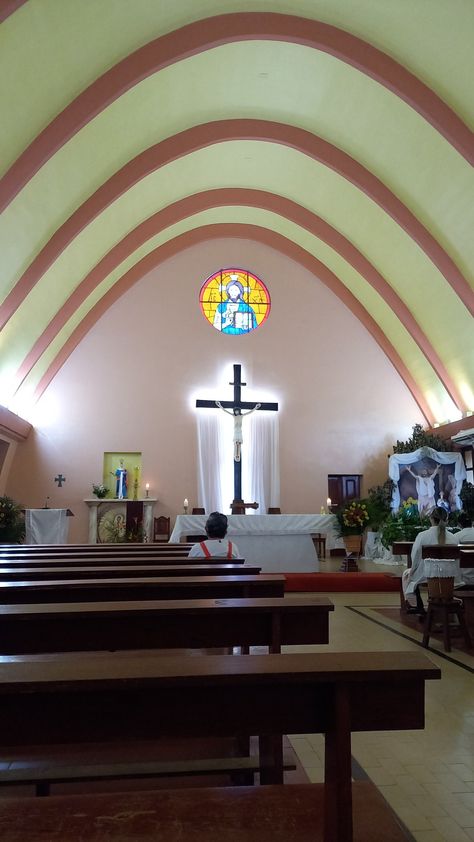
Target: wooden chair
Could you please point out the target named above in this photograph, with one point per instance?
(198, 511)
(274, 510)
(443, 606)
(161, 529)
(319, 541)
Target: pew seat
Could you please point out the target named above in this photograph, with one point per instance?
(111, 571)
(42, 774)
(263, 695)
(166, 624)
(140, 588)
(291, 813)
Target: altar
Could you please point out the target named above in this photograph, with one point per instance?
(278, 543)
(105, 513)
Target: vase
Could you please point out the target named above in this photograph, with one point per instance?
(353, 543)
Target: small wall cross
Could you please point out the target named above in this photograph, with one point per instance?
(60, 479)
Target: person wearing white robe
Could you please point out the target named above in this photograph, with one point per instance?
(466, 536)
(436, 534)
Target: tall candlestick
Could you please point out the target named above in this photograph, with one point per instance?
(147, 489)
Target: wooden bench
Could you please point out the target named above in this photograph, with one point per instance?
(109, 559)
(193, 624)
(467, 596)
(140, 588)
(333, 694)
(87, 571)
(114, 548)
(449, 551)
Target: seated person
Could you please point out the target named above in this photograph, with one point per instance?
(217, 545)
(414, 575)
(466, 535)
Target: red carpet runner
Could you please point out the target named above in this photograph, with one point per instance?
(341, 582)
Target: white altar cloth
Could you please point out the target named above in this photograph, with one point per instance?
(277, 543)
(46, 526)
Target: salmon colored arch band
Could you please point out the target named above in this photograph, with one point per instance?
(202, 35)
(240, 197)
(8, 7)
(205, 135)
(264, 236)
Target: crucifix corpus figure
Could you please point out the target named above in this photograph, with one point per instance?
(237, 415)
(235, 408)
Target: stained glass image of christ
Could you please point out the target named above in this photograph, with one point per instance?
(234, 301)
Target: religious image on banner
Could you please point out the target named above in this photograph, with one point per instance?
(234, 301)
(427, 478)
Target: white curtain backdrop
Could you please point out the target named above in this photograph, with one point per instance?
(260, 460)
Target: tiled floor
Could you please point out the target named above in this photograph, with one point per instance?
(427, 776)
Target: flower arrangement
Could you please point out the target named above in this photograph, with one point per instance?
(352, 518)
(12, 521)
(100, 490)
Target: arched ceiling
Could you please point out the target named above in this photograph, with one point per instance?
(337, 133)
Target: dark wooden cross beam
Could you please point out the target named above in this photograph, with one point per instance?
(60, 479)
(237, 405)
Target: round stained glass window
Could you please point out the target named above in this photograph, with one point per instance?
(234, 301)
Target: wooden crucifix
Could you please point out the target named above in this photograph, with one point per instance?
(235, 408)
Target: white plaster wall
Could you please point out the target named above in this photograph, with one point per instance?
(130, 386)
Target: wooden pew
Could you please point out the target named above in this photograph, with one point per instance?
(166, 547)
(403, 548)
(87, 571)
(191, 624)
(455, 551)
(137, 561)
(140, 588)
(333, 694)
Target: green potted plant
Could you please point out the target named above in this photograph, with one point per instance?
(379, 504)
(100, 490)
(404, 525)
(12, 521)
(466, 496)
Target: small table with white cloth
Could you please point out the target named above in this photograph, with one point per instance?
(46, 526)
(278, 543)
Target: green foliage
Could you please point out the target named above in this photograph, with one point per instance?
(403, 526)
(379, 503)
(420, 438)
(12, 521)
(466, 495)
(100, 490)
(117, 534)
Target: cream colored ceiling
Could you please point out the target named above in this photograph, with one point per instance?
(304, 144)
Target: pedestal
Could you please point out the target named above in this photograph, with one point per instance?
(94, 505)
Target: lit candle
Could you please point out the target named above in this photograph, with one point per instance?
(329, 502)
(147, 486)
(185, 504)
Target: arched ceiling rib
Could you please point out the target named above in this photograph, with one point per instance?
(8, 7)
(276, 204)
(204, 34)
(158, 174)
(218, 132)
(270, 238)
